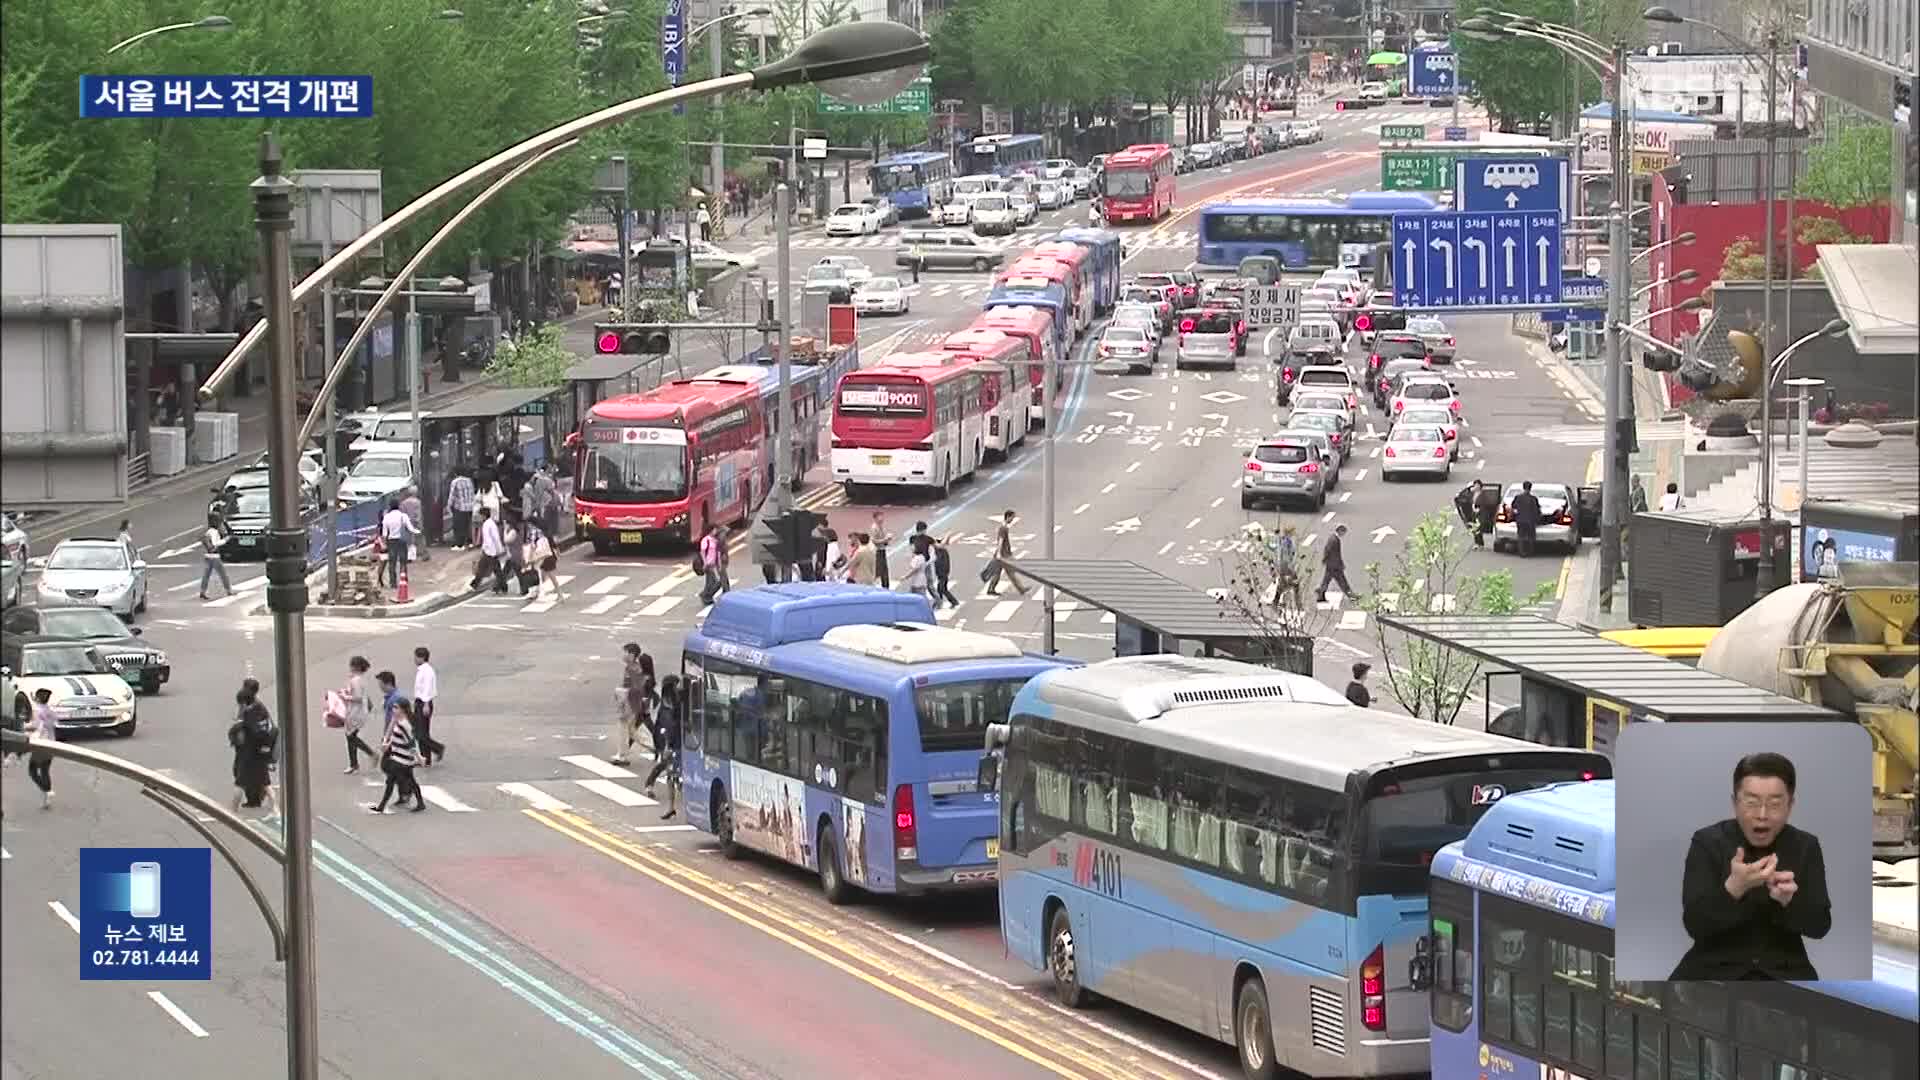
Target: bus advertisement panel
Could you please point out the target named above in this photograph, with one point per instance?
(1003, 367)
(1240, 851)
(1035, 325)
(1304, 234)
(1138, 184)
(917, 426)
(856, 754)
(1075, 259)
(1519, 959)
(804, 386)
(915, 183)
(1027, 270)
(1104, 250)
(666, 463)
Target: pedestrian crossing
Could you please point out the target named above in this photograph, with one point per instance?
(580, 783)
(1593, 435)
(1435, 119)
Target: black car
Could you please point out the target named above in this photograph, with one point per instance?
(144, 667)
(248, 514)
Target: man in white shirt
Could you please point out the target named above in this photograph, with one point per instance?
(397, 529)
(1670, 501)
(426, 687)
(493, 551)
(211, 562)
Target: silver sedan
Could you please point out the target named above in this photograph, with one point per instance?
(1416, 450)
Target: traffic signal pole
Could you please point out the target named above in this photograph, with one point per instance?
(781, 496)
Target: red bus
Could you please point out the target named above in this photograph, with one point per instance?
(1034, 325)
(1002, 359)
(666, 463)
(1080, 261)
(1139, 183)
(912, 422)
(1028, 270)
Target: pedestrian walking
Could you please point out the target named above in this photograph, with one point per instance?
(881, 540)
(1637, 495)
(1286, 564)
(1002, 549)
(540, 501)
(861, 562)
(426, 690)
(416, 520)
(398, 756)
(1526, 517)
(631, 700)
(397, 531)
(511, 538)
(126, 541)
(460, 503)
(491, 496)
(42, 727)
(712, 561)
(540, 555)
(1357, 691)
(942, 573)
(833, 557)
(255, 739)
(917, 575)
(705, 220)
(358, 699)
(1333, 565)
(666, 728)
(211, 561)
(493, 551)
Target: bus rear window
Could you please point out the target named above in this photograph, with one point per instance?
(1411, 813)
(954, 716)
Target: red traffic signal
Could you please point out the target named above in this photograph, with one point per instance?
(606, 342)
(1364, 322)
(630, 339)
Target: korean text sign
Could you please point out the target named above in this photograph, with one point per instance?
(105, 97)
(146, 914)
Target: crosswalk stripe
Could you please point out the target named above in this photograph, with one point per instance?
(604, 769)
(1064, 608)
(661, 606)
(1107, 618)
(536, 798)
(604, 605)
(606, 585)
(443, 799)
(227, 600)
(1003, 611)
(613, 792)
(665, 585)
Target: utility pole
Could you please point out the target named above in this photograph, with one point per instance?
(1617, 386)
(1048, 375)
(781, 495)
(1767, 578)
(717, 57)
(330, 481)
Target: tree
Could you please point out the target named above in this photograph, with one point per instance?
(1257, 591)
(1854, 167)
(1430, 575)
(1520, 80)
(537, 358)
(31, 176)
(1744, 259)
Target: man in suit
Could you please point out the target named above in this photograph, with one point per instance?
(1526, 517)
(1754, 887)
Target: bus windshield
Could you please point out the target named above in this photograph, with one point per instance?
(637, 472)
(1412, 812)
(1129, 184)
(954, 716)
(898, 177)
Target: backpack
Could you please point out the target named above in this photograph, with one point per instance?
(266, 735)
(699, 565)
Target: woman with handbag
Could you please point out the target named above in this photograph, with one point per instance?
(546, 564)
(357, 700)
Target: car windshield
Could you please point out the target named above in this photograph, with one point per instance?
(1426, 391)
(1410, 434)
(883, 284)
(1426, 416)
(1318, 421)
(82, 622)
(383, 467)
(1126, 335)
(826, 272)
(1426, 326)
(1141, 296)
(62, 660)
(251, 504)
(88, 557)
(393, 431)
(251, 478)
(1392, 348)
(1281, 455)
(1321, 401)
(849, 210)
(990, 202)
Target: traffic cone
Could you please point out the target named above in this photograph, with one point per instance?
(402, 595)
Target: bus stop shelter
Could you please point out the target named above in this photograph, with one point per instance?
(1580, 689)
(1153, 613)
(599, 377)
(472, 434)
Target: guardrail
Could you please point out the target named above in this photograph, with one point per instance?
(353, 526)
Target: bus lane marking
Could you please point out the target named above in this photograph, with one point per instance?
(732, 901)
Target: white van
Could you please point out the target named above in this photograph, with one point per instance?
(1331, 377)
(1310, 335)
(994, 213)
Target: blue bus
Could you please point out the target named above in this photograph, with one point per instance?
(914, 182)
(840, 729)
(1240, 851)
(1016, 292)
(1104, 248)
(1304, 234)
(1520, 962)
(1003, 155)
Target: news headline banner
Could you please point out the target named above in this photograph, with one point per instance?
(146, 914)
(106, 97)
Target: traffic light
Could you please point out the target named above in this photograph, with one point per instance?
(791, 536)
(631, 339)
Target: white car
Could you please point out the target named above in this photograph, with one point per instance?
(13, 560)
(856, 271)
(1416, 450)
(994, 214)
(957, 212)
(389, 429)
(1204, 155)
(1026, 206)
(102, 572)
(1373, 91)
(1439, 339)
(1082, 181)
(881, 296)
(853, 219)
(1348, 280)
(1055, 168)
(1143, 316)
(708, 258)
(1429, 390)
(1049, 195)
(84, 690)
(1306, 131)
(379, 473)
(1434, 416)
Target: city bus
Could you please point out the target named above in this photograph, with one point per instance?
(1241, 851)
(1035, 325)
(804, 385)
(1105, 252)
(1076, 259)
(1138, 184)
(1520, 962)
(916, 182)
(1304, 234)
(854, 753)
(1003, 370)
(667, 463)
(907, 425)
(1005, 154)
(1027, 273)
(1041, 292)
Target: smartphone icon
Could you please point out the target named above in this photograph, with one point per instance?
(143, 891)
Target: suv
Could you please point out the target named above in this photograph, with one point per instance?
(1334, 378)
(1282, 469)
(1398, 345)
(1206, 337)
(119, 644)
(947, 249)
(1387, 379)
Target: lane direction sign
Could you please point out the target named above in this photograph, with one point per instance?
(1519, 183)
(1432, 73)
(1477, 259)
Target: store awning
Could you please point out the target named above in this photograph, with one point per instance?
(1876, 288)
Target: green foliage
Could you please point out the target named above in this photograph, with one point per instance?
(1266, 590)
(1429, 576)
(31, 175)
(1854, 167)
(537, 358)
(1523, 80)
(1152, 50)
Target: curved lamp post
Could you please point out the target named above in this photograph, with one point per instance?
(865, 62)
(211, 22)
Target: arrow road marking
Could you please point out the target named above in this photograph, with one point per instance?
(1124, 417)
(1122, 528)
(1479, 247)
(1447, 247)
(1462, 361)
(1543, 247)
(1382, 533)
(1506, 247)
(1222, 417)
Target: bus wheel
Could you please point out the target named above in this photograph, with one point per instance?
(945, 487)
(1253, 1030)
(601, 546)
(1060, 960)
(832, 884)
(722, 816)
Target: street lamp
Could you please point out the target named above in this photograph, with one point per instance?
(217, 23)
(1680, 278)
(855, 52)
(1684, 239)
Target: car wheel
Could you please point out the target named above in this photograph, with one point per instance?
(125, 731)
(1246, 501)
(980, 265)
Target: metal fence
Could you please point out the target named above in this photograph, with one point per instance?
(353, 526)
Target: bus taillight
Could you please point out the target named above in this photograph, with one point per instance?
(906, 830)
(1373, 990)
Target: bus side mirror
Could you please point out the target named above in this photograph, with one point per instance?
(989, 775)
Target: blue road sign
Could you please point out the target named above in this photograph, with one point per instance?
(1456, 134)
(1526, 183)
(1433, 73)
(1477, 259)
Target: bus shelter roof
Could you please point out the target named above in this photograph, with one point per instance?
(1139, 595)
(492, 403)
(1593, 666)
(601, 367)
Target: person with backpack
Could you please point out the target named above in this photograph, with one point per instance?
(711, 560)
(211, 562)
(666, 730)
(255, 739)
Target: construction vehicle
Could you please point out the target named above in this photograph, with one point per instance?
(1851, 644)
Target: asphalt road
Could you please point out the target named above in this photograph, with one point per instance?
(543, 916)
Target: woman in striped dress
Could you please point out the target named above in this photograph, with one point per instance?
(398, 756)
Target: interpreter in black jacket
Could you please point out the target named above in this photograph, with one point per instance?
(1754, 886)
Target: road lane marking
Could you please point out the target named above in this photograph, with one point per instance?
(606, 770)
(444, 799)
(1215, 504)
(662, 828)
(179, 1015)
(663, 605)
(666, 584)
(538, 799)
(1082, 508)
(5, 854)
(1108, 490)
(1166, 547)
(1194, 522)
(1003, 611)
(604, 604)
(60, 911)
(615, 793)
(605, 585)
(1133, 466)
